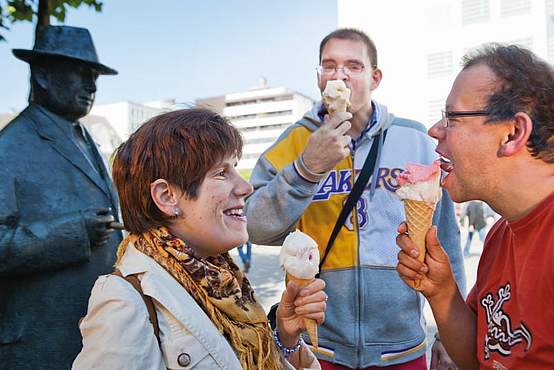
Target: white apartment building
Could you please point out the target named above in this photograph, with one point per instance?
(125, 117)
(420, 43)
(261, 115)
(103, 134)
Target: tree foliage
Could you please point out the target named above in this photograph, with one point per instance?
(13, 11)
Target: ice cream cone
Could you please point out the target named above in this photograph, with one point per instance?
(419, 217)
(311, 324)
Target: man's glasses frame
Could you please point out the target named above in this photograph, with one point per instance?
(446, 114)
(347, 70)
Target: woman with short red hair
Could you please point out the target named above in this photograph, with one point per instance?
(182, 201)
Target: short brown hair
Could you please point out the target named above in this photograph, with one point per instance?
(526, 84)
(180, 147)
(354, 35)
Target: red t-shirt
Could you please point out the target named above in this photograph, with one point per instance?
(513, 297)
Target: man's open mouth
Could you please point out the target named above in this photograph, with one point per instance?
(446, 166)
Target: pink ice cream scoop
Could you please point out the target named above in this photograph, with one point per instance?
(420, 182)
(415, 173)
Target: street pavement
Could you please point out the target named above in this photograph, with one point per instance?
(267, 277)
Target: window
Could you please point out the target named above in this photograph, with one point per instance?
(510, 8)
(439, 64)
(550, 29)
(275, 98)
(242, 102)
(250, 155)
(262, 140)
(551, 49)
(242, 117)
(250, 129)
(260, 115)
(475, 11)
(274, 127)
(261, 100)
(281, 126)
(434, 108)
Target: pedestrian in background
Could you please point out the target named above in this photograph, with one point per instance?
(475, 213)
(245, 257)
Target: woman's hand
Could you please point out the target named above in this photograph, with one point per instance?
(296, 305)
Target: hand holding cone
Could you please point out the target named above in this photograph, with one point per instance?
(311, 325)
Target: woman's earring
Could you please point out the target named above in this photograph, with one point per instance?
(177, 212)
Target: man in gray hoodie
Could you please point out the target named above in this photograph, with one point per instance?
(302, 181)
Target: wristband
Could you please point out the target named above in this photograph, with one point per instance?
(286, 351)
(305, 172)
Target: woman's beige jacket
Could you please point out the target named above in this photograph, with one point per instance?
(117, 333)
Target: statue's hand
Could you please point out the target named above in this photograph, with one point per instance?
(97, 221)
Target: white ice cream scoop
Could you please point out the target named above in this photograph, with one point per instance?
(299, 255)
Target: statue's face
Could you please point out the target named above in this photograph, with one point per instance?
(71, 87)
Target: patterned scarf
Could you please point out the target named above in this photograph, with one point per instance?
(221, 290)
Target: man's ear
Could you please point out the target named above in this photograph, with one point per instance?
(165, 197)
(516, 137)
(376, 77)
(318, 80)
(41, 77)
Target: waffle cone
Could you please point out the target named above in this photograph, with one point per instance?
(311, 325)
(419, 217)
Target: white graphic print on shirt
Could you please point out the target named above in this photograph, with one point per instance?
(500, 337)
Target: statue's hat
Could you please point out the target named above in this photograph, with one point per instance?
(66, 42)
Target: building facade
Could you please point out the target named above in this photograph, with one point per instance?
(126, 116)
(421, 43)
(260, 114)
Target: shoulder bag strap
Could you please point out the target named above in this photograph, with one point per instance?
(135, 282)
(357, 190)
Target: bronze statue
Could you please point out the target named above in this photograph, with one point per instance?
(57, 203)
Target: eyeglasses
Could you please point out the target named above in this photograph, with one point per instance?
(453, 114)
(351, 69)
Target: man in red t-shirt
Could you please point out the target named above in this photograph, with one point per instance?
(496, 140)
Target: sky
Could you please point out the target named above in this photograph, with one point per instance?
(184, 49)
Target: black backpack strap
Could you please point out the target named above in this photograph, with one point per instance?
(357, 190)
(135, 282)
